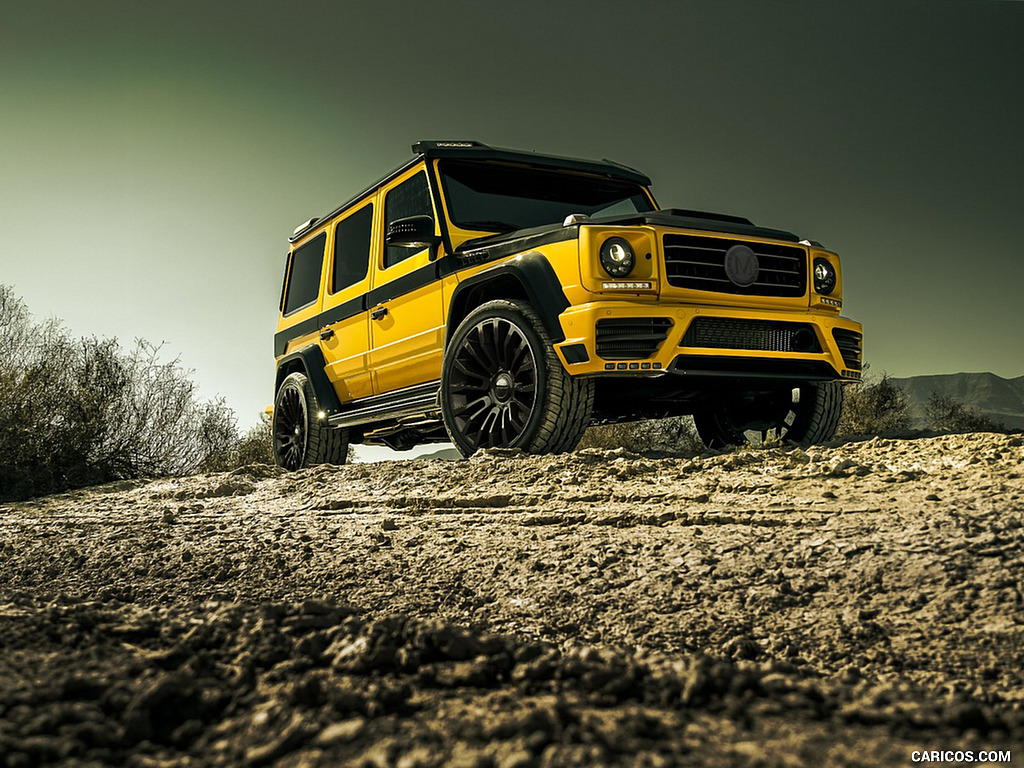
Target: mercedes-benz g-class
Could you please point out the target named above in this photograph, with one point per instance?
(500, 298)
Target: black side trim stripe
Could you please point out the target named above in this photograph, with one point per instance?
(541, 283)
(400, 286)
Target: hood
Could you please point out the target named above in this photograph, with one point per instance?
(508, 243)
(708, 222)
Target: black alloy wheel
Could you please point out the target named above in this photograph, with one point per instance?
(301, 438)
(502, 386)
(493, 384)
(290, 427)
(801, 415)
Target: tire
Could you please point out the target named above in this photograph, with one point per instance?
(301, 439)
(801, 416)
(502, 386)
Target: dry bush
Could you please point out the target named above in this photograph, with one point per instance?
(947, 414)
(674, 435)
(254, 447)
(76, 412)
(874, 408)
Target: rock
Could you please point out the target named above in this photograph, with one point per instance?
(342, 732)
(289, 738)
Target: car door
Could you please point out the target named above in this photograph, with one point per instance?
(345, 335)
(405, 306)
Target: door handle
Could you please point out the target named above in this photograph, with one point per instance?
(378, 312)
(326, 333)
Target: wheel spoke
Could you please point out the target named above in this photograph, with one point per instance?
(488, 345)
(519, 354)
(511, 344)
(518, 413)
(466, 365)
(473, 407)
(290, 428)
(492, 386)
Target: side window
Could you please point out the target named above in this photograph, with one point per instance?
(410, 198)
(304, 281)
(352, 249)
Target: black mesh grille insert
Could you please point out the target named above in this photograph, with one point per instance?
(849, 343)
(761, 335)
(698, 263)
(630, 338)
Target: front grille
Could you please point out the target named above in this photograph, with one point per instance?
(698, 263)
(849, 343)
(630, 338)
(760, 335)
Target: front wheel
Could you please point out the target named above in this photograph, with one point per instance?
(301, 438)
(802, 415)
(502, 385)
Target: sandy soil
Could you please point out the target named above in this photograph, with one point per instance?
(845, 605)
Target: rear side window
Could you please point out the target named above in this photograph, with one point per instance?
(304, 281)
(352, 249)
(410, 198)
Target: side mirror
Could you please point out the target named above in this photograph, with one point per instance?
(412, 232)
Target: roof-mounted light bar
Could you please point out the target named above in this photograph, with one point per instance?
(420, 147)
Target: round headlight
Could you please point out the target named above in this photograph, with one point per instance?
(617, 257)
(824, 276)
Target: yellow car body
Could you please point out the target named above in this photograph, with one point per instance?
(712, 311)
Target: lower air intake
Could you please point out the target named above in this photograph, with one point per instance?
(631, 338)
(759, 335)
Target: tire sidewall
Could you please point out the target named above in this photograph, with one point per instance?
(718, 430)
(513, 313)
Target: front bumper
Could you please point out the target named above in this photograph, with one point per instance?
(766, 342)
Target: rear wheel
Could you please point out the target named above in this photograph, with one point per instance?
(802, 415)
(301, 438)
(502, 385)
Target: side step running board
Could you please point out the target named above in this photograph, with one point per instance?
(421, 399)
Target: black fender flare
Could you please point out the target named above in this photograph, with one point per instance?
(534, 274)
(310, 360)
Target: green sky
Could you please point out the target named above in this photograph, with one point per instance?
(154, 157)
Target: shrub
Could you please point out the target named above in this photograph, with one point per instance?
(76, 412)
(672, 435)
(254, 447)
(947, 414)
(874, 408)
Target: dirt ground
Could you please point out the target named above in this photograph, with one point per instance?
(846, 605)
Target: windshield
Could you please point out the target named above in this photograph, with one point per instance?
(501, 198)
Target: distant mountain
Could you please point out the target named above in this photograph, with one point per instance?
(1002, 400)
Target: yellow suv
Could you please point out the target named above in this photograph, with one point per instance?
(500, 298)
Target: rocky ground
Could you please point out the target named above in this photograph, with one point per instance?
(846, 605)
